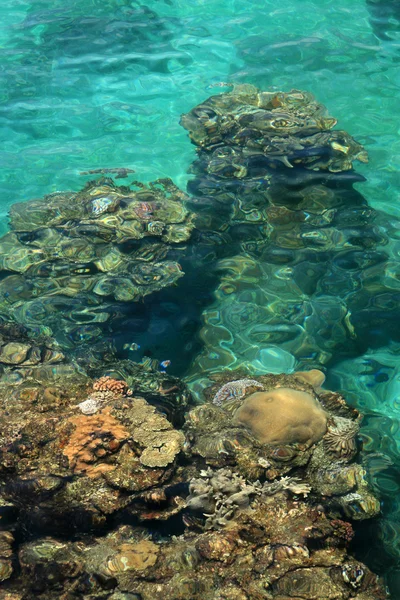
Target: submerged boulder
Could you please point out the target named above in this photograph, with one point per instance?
(292, 428)
(304, 272)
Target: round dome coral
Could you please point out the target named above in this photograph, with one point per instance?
(283, 416)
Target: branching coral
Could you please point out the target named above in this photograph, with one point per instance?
(218, 495)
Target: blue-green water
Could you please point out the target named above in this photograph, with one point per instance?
(101, 83)
(88, 85)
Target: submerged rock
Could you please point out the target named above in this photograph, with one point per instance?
(304, 273)
(73, 451)
(286, 429)
(103, 494)
(274, 551)
(290, 128)
(70, 259)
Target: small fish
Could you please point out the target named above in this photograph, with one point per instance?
(220, 84)
(165, 363)
(132, 346)
(354, 43)
(120, 172)
(304, 40)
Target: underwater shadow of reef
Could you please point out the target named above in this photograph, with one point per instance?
(308, 277)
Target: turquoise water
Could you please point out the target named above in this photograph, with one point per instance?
(88, 85)
(102, 83)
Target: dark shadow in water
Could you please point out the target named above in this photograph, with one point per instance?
(385, 18)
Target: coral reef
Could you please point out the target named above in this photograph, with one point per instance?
(112, 484)
(66, 466)
(120, 504)
(288, 128)
(303, 437)
(167, 393)
(277, 550)
(72, 258)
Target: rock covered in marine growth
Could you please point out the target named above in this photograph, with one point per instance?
(275, 551)
(74, 451)
(292, 428)
(290, 128)
(70, 258)
(251, 519)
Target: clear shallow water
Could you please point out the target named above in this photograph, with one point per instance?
(95, 84)
(88, 85)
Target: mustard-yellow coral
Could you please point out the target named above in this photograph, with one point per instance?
(282, 416)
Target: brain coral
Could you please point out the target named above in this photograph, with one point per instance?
(281, 416)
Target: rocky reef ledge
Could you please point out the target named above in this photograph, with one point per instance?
(105, 495)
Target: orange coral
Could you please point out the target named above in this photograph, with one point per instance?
(94, 439)
(108, 384)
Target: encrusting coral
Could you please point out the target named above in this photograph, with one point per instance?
(94, 437)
